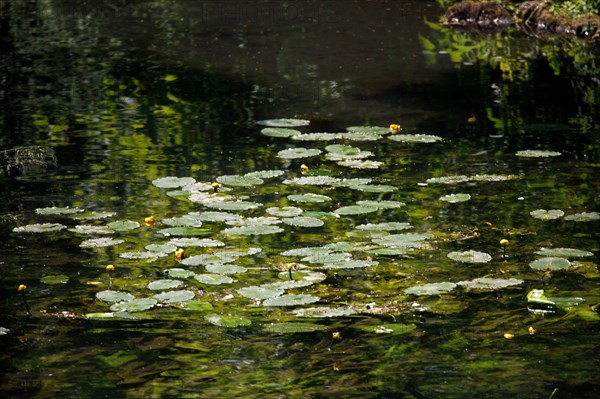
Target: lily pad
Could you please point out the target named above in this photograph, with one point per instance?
(225, 217)
(284, 212)
(253, 230)
(165, 284)
(284, 122)
(303, 221)
(100, 242)
(299, 152)
(196, 242)
(306, 251)
(134, 305)
(382, 204)
(390, 328)
(53, 210)
(185, 231)
(309, 198)
(111, 296)
(233, 205)
(55, 279)
(123, 225)
(384, 226)
(537, 154)
(489, 284)
(142, 255)
(265, 174)
(550, 263)
(359, 136)
(355, 210)
(431, 289)
(173, 182)
(342, 149)
(321, 312)
(291, 300)
(312, 181)
(292, 328)
(470, 256)
(492, 178)
(447, 179)
(229, 321)
(94, 215)
(564, 252)
(544, 214)
(174, 296)
(240, 181)
(350, 264)
(583, 217)
(91, 229)
(379, 130)
(183, 221)
(40, 228)
(316, 137)
(361, 164)
(213, 279)
(178, 273)
(162, 248)
(454, 198)
(374, 188)
(279, 132)
(225, 268)
(410, 240)
(209, 259)
(327, 257)
(260, 293)
(415, 138)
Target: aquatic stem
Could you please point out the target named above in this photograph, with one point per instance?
(110, 269)
(22, 289)
(504, 244)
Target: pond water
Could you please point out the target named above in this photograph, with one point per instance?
(363, 261)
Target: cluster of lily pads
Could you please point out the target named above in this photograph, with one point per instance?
(221, 240)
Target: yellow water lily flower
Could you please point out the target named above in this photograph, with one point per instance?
(22, 287)
(149, 220)
(216, 186)
(395, 128)
(303, 168)
(110, 268)
(179, 254)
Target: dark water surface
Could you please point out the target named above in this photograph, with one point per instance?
(126, 92)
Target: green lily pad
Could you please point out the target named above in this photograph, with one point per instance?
(550, 263)
(350, 264)
(316, 137)
(213, 279)
(164, 284)
(415, 138)
(94, 215)
(306, 251)
(109, 316)
(174, 296)
(183, 221)
(240, 181)
(173, 182)
(537, 154)
(389, 328)
(260, 293)
(346, 246)
(53, 210)
(100, 242)
(309, 198)
(134, 305)
(55, 279)
(40, 228)
(384, 226)
(359, 136)
(544, 214)
(312, 181)
(361, 164)
(299, 152)
(234, 205)
(538, 297)
(229, 321)
(447, 179)
(196, 242)
(454, 198)
(327, 257)
(379, 130)
(123, 225)
(284, 212)
(200, 306)
(284, 122)
(489, 284)
(431, 289)
(292, 328)
(410, 240)
(382, 204)
(583, 217)
(178, 273)
(142, 255)
(259, 221)
(564, 252)
(185, 231)
(303, 221)
(390, 251)
(322, 312)
(332, 156)
(225, 268)
(354, 210)
(342, 149)
(265, 174)
(91, 229)
(470, 256)
(224, 217)
(209, 258)
(111, 296)
(253, 230)
(374, 188)
(291, 300)
(162, 248)
(279, 132)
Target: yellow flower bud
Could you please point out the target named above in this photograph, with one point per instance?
(395, 128)
(509, 335)
(179, 254)
(22, 287)
(215, 186)
(303, 168)
(531, 330)
(504, 242)
(149, 220)
(110, 268)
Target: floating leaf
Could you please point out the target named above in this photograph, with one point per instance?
(354, 182)
(94, 215)
(537, 154)
(109, 315)
(303, 221)
(291, 300)
(225, 217)
(196, 242)
(213, 279)
(40, 228)
(385, 226)
(123, 225)
(185, 231)
(209, 258)
(279, 132)
(284, 122)
(547, 214)
(234, 205)
(564, 252)
(284, 212)
(489, 284)
(470, 256)
(260, 293)
(342, 149)
(319, 312)
(583, 217)
(100, 242)
(91, 229)
(229, 321)
(162, 248)
(261, 220)
(391, 251)
(111, 296)
(178, 273)
(327, 257)
(550, 263)
(186, 220)
(316, 137)
(306, 251)
(350, 264)
(390, 328)
(292, 328)
(492, 178)
(165, 284)
(134, 305)
(415, 138)
(198, 306)
(53, 210)
(225, 268)
(448, 179)
(454, 198)
(413, 240)
(309, 198)
(374, 188)
(382, 204)
(299, 152)
(359, 136)
(354, 210)
(173, 182)
(313, 181)
(55, 279)
(240, 181)
(360, 164)
(379, 130)
(431, 289)
(253, 230)
(174, 296)
(538, 297)
(265, 174)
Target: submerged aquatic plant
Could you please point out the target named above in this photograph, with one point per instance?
(21, 289)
